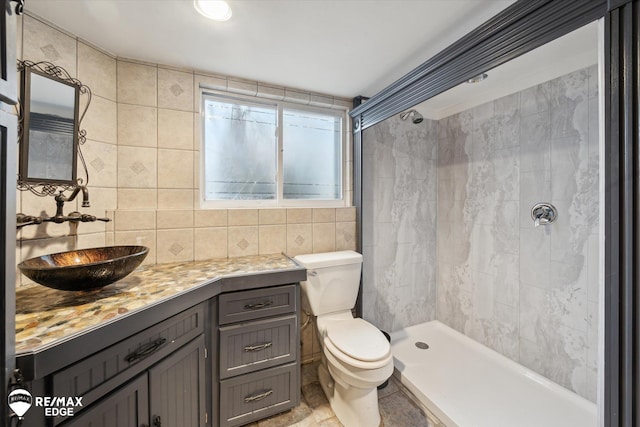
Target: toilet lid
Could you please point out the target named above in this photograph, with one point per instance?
(358, 339)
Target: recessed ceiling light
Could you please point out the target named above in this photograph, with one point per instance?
(217, 10)
(478, 78)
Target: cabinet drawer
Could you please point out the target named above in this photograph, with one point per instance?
(258, 395)
(98, 374)
(254, 304)
(261, 344)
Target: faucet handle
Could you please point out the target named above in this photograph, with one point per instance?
(22, 220)
(543, 214)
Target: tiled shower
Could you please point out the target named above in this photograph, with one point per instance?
(448, 233)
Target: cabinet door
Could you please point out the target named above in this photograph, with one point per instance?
(125, 407)
(177, 387)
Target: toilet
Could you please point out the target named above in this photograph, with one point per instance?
(356, 355)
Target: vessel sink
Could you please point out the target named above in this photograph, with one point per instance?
(84, 269)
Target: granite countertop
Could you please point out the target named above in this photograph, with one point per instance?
(46, 316)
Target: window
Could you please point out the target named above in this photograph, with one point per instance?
(270, 154)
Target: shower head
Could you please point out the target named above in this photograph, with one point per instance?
(415, 116)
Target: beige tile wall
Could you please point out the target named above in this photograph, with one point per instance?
(176, 235)
(40, 41)
(142, 155)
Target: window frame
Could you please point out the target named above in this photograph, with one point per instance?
(280, 106)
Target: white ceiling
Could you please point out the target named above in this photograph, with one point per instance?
(338, 47)
(574, 51)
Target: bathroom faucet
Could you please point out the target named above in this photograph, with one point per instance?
(60, 217)
(61, 199)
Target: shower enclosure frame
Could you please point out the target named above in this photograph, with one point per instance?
(520, 28)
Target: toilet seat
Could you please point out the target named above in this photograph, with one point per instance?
(358, 343)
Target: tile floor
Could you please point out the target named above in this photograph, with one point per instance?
(396, 408)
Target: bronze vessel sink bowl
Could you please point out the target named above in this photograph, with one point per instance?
(84, 269)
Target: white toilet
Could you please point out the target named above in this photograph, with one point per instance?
(356, 355)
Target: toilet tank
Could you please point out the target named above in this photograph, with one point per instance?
(332, 281)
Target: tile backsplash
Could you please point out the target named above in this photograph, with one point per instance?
(186, 235)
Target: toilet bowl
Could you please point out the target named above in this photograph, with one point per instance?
(357, 361)
(356, 355)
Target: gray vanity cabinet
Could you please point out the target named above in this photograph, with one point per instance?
(155, 377)
(170, 394)
(126, 407)
(225, 354)
(259, 365)
(177, 388)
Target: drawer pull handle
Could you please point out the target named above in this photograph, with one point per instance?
(258, 305)
(257, 347)
(258, 396)
(145, 350)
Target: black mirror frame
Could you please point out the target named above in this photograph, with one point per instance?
(40, 186)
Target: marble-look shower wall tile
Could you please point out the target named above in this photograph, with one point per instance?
(594, 276)
(535, 144)
(567, 93)
(507, 121)
(506, 228)
(594, 162)
(506, 167)
(399, 224)
(557, 352)
(535, 99)
(507, 278)
(569, 164)
(535, 256)
(592, 350)
(523, 291)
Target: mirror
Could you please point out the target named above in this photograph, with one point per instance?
(50, 135)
